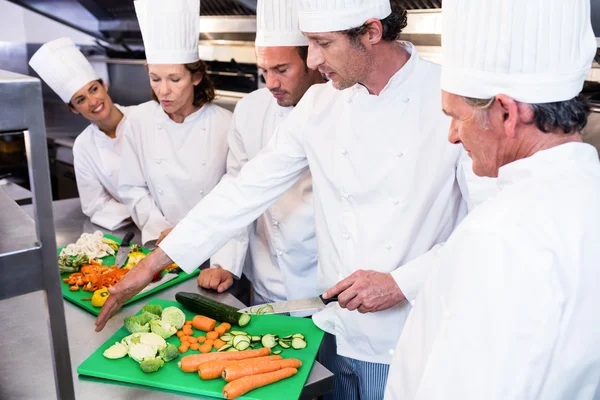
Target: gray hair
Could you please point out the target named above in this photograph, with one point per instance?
(569, 116)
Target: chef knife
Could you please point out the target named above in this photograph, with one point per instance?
(313, 303)
(164, 279)
(124, 249)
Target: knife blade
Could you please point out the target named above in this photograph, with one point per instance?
(164, 279)
(312, 303)
(124, 249)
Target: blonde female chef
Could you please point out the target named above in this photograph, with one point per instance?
(97, 150)
(175, 147)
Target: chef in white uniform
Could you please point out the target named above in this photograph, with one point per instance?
(511, 311)
(97, 150)
(175, 146)
(385, 185)
(278, 252)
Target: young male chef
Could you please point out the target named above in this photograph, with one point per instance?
(278, 251)
(511, 312)
(97, 150)
(385, 185)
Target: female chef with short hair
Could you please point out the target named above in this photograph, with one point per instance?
(175, 146)
(97, 150)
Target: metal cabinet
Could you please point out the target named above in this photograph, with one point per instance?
(28, 249)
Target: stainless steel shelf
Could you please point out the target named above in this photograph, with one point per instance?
(28, 250)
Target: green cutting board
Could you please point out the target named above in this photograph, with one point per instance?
(170, 377)
(75, 297)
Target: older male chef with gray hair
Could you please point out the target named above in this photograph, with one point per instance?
(384, 180)
(511, 312)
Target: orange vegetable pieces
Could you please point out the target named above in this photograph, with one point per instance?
(194, 346)
(203, 323)
(205, 348)
(237, 371)
(180, 334)
(226, 326)
(212, 335)
(243, 385)
(192, 362)
(201, 339)
(214, 369)
(209, 342)
(187, 330)
(188, 322)
(218, 344)
(192, 339)
(183, 348)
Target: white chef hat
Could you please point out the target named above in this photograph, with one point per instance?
(170, 29)
(62, 66)
(535, 51)
(277, 24)
(339, 15)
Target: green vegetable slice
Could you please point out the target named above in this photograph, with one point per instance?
(225, 348)
(277, 352)
(298, 343)
(269, 341)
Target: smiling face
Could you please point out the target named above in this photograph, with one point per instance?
(480, 132)
(285, 73)
(173, 85)
(334, 55)
(92, 102)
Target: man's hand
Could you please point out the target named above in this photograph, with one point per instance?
(217, 279)
(367, 291)
(163, 235)
(131, 284)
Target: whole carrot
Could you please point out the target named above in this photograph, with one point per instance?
(243, 385)
(192, 362)
(239, 370)
(214, 369)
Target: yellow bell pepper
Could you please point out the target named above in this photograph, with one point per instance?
(99, 297)
(134, 258)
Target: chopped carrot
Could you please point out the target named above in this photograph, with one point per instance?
(180, 334)
(220, 330)
(201, 339)
(225, 326)
(218, 344)
(74, 288)
(184, 339)
(237, 371)
(194, 346)
(212, 335)
(188, 330)
(192, 362)
(205, 348)
(243, 385)
(188, 322)
(203, 323)
(192, 339)
(214, 369)
(183, 348)
(209, 342)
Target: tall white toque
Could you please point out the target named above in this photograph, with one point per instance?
(339, 15)
(62, 66)
(277, 24)
(535, 51)
(170, 29)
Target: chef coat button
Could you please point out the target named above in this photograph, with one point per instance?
(276, 223)
(203, 163)
(346, 195)
(158, 160)
(391, 352)
(160, 191)
(201, 191)
(158, 126)
(395, 202)
(279, 253)
(349, 100)
(344, 152)
(399, 155)
(406, 100)
(388, 247)
(203, 128)
(110, 173)
(346, 236)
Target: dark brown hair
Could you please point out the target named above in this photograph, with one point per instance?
(392, 25)
(204, 92)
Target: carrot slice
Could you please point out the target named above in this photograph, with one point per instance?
(226, 326)
(195, 346)
(192, 340)
(237, 371)
(212, 335)
(214, 369)
(209, 342)
(220, 330)
(192, 362)
(218, 344)
(243, 385)
(205, 348)
(201, 339)
(203, 323)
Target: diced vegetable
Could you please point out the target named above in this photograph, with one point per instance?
(173, 316)
(212, 309)
(72, 264)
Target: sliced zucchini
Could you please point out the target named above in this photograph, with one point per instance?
(225, 347)
(242, 345)
(298, 343)
(226, 338)
(284, 344)
(269, 341)
(236, 333)
(232, 349)
(255, 339)
(298, 335)
(239, 339)
(266, 309)
(277, 352)
(287, 337)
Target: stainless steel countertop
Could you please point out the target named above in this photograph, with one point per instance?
(26, 368)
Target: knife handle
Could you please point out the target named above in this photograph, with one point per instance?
(127, 238)
(327, 301)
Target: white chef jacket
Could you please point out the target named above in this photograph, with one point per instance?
(384, 184)
(511, 311)
(281, 243)
(168, 167)
(96, 160)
